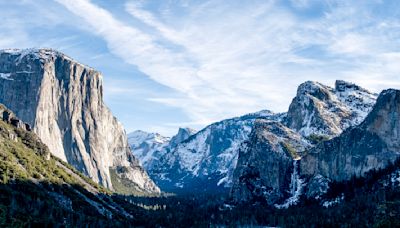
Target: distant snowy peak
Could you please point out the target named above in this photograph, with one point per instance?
(182, 135)
(209, 156)
(318, 109)
(144, 145)
(149, 148)
(138, 137)
(207, 159)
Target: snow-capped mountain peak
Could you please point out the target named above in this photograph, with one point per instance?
(183, 134)
(207, 159)
(144, 145)
(137, 137)
(318, 109)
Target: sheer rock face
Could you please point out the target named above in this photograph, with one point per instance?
(265, 163)
(371, 145)
(63, 101)
(182, 135)
(321, 110)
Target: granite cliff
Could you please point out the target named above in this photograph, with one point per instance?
(372, 145)
(323, 138)
(63, 102)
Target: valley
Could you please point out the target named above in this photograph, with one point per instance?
(331, 160)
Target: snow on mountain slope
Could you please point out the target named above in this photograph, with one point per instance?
(321, 110)
(150, 147)
(208, 158)
(317, 113)
(358, 100)
(144, 146)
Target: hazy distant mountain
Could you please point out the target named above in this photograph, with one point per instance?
(196, 162)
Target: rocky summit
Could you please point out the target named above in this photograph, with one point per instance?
(372, 145)
(281, 163)
(62, 100)
(319, 110)
(209, 158)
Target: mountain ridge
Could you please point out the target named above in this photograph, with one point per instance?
(328, 110)
(359, 149)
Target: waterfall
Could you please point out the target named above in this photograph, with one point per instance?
(295, 187)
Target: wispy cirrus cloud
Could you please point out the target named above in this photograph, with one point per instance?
(223, 60)
(229, 59)
(219, 73)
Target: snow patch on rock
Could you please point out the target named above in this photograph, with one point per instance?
(296, 187)
(330, 203)
(6, 76)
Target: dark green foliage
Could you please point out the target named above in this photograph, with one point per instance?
(37, 189)
(315, 139)
(24, 203)
(42, 191)
(123, 185)
(290, 150)
(367, 203)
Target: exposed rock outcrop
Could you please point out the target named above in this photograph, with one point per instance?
(35, 186)
(182, 135)
(339, 137)
(63, 102)
(370, 146)
(265, 164)
(319, 110)
(9, 117)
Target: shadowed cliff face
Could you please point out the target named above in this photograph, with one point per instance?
(368, 142)
(265, 164)
(370, 146)
(63, 101)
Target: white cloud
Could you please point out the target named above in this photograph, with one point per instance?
(350, 44)
(136, 47)
(230, 59)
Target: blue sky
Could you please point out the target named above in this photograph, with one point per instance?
(178, 63)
